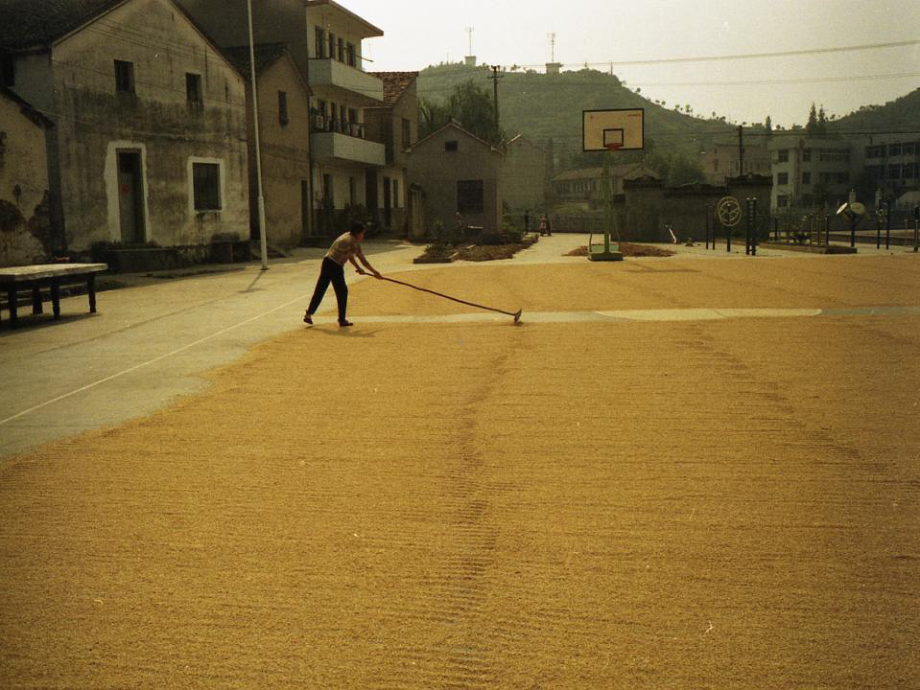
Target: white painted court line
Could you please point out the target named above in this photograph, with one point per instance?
(172, 353)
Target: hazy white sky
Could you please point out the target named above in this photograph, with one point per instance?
(596, 31)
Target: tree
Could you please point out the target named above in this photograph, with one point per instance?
(812, 126)
(470, 105)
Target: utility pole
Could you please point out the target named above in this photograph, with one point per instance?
(470, 30)
(740, 150)
(552, 47)
(263, 242)
(495, 77)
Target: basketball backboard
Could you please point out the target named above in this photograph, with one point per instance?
(602, 129)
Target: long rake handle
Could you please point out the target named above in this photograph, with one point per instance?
(454, 299)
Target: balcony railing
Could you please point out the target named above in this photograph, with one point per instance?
(323, 123)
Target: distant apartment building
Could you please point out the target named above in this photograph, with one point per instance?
(723, 161)
(892, 162)
(809, 169)
(584, 187)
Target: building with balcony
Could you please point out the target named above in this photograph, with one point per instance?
(326, 41)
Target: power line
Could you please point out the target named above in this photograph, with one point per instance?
(759, 56)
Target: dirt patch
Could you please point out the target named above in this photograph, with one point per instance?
(630, 250)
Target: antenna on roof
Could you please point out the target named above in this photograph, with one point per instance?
(470, 58)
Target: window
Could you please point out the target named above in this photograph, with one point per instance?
(715, 165)
(875, 151)
(450, 146)
(782, 201)
(395, 193)
(783, 156)
(406, 133)
(331, 53)
(895, 150)
(7, 70)
(894, 172)
(340, 50)
(320, 39)
(124, 77)
(193, 89)
(806, 155)
(469, 196)
(352, 115)
(910, 171)
(206, 184)
(782, 178)
(352, 190)
(352, 62)
(282, 108)
(806, 178)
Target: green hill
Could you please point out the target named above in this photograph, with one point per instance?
(544, 106)
(902, 114)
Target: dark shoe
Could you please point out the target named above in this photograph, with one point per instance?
(345, 324)
(308, 319)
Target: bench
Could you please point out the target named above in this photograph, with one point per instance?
(53, 276)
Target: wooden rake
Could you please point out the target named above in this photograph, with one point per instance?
(516, 315)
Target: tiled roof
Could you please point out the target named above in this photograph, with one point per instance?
(28, 23)
(395, 84)
(267, 54)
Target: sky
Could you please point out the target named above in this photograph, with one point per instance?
(600, 32)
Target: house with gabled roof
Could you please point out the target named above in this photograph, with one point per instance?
(149, 144)
(284, 138)
(457, 173)
(25, 236)
(395, 123)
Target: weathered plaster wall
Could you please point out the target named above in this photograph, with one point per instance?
(438, 172)
(285, 155)
(524, 176)
(94, 121)
(24, 222)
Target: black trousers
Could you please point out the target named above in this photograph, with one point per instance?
(331, 272)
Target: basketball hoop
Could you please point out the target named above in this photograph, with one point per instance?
(613, 147)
